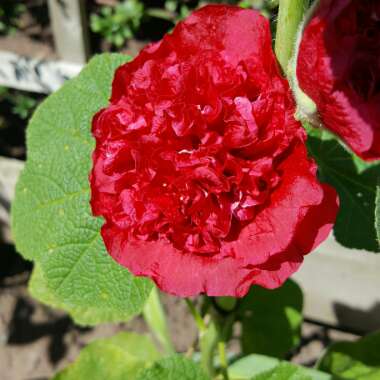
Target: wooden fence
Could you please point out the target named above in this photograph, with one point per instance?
(70, 31)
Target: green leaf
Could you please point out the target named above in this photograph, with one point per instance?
(271, 319)
(173, 368)
(82, 315)
(377, 214)
(253, 367)
(284, 371)
(118, 358)
(354, 360)
(356, 186)
(51, 217)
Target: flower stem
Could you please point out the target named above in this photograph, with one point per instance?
(154, 316)
(207, 343)
(208, 337)
(197, 317)
(223, 360)
(290, 15)
(214, 330)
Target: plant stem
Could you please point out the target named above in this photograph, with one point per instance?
(290, 15)
(223, 360)
(207, 343)
(154, 316)
(208, 337)
(197, 317)
(214, 330)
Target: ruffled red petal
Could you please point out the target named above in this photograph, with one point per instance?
(200, 169)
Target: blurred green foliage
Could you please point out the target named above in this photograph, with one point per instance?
(119, 23)
(21, 105)
(10, 12)
(122, 21)
(173, 10)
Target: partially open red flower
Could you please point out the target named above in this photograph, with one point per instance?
(200, 169)
(338, 67)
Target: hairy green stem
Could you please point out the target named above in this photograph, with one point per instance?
(207, 335)
(290, 15)
(154, 316)
(214, 330)
(207, 343)
(197, 317)
(223, 360)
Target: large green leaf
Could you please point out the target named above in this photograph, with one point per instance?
(52, 220)
(255, 367)
(118, 358)
(354, 360)
(271, 319)
(356, 186)
(173, 368)
(82, 315)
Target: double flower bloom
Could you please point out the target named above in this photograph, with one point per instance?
(200, 168)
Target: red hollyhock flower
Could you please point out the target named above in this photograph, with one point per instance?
(200, 169)
(339, 69)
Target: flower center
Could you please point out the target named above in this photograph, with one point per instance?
(194, 191)
(193, 164)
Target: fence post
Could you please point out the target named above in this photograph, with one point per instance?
(70, 29)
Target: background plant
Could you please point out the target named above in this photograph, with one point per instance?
(118, 23)
(15, 108)
(10, 12)
(22, 105)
